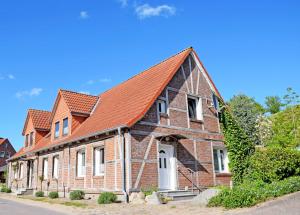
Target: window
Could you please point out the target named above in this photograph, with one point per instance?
(2, 154)
(55, 167)
(220, 160)
(31, 138)
(26, 140)
(195, 108)
(65, 126)
(21, 171)
(56, 134)
(45, 168)
(98, 161)
(215, 101)
(81, 163)
(161, 106)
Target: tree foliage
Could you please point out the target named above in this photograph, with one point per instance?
(273, 104)
(246, 110)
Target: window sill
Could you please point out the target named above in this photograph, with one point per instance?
(165, 115)
(222, 174)
(196, 120)
(98, 176)
(80, 177)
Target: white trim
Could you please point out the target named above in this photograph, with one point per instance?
(191, 74)
(185, 80)
(187, 111)
(167, 102)
(143, 163)
(198, 80)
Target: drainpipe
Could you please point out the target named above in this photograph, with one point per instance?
(123, 142)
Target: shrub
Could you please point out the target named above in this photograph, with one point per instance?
(39, 194)
(148, 191)
(77, 195)
(107, 198)
(274, 164)
(53, 195)
(5, 189)
(251, 193)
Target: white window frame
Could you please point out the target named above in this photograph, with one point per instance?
(80, 165)
(199, 107)
(99, 167)
(45, 168)
(215, 101)
(225, 160)
(65, 129)
(163, 105)
(56, 133)
(55, 166)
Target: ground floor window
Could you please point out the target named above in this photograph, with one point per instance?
(45, 168)
(98, 161)
(220, 160)
(81, 163)
(55, 167)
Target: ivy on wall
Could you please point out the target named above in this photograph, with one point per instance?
(238, 144)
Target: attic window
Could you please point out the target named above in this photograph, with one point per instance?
(56, 134)
(26, 140)
(2, 154)
(161, 106)
(65, 126)
(31, 138)
(195, 108)
(215, 101)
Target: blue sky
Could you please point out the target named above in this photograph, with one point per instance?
(91, 45)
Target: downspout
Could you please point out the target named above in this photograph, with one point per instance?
(126, 197)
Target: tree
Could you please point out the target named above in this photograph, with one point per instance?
(273, 104)
(264, 129)
(245, 110)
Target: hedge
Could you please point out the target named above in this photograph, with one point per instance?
(107, 198)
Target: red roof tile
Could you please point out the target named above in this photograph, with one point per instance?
(2, 140)
(40, 119)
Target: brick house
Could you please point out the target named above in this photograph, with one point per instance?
(6, 151)
(159, 128)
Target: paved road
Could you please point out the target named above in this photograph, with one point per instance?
(8, 207)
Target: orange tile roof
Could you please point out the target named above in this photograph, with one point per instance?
(19, 153)
(40, 119)
(79, 102)
(123, 105)
(2, 140)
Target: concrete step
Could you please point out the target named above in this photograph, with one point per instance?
(178, 195)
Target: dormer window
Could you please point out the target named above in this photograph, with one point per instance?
(31, 138)
(65, 126)
(26, 140)
(161, 107)
(56, 133)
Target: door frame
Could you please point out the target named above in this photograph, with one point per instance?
(173, 184)
(30, 164)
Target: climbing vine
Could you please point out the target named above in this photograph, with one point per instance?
(239, 146)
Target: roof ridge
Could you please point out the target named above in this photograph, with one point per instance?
(142, 72)
(70, 91)
(39, 110)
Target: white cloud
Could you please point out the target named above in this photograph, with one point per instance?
(105, 80)
(29, 93)
(85, 92)
(84, 15)
(10, 76)
(146, 11)
(124, 3)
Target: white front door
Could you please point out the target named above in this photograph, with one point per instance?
(167, 167)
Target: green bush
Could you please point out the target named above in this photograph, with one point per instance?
(5, 189)
(107, 198)
(39, 194)
(53, 195)
(250, 193)
(274, 164)
(77, 195)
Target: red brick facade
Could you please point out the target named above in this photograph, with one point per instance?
(131, 153)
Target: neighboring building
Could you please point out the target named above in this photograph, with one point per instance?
(159, 128)
(6, 151)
